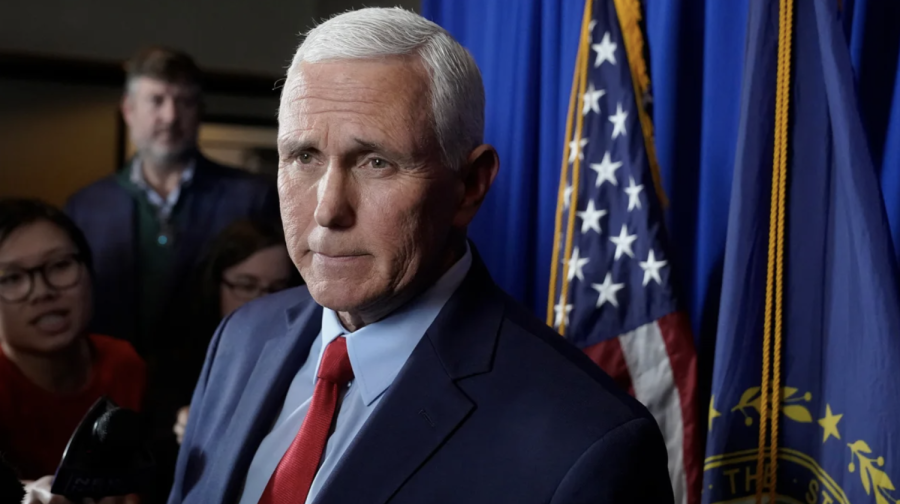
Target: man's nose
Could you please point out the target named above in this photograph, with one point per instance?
(168, 111)
(334, 198)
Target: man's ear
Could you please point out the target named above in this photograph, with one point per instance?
(476, 175)
(125, 107)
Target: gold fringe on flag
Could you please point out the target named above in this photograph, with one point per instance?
(629, 13)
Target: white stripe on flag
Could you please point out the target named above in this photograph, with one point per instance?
(648, 364)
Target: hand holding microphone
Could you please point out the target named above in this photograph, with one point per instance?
(38, 492)
(105, 461)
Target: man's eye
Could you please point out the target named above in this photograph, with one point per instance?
(305, 158)
(378, 163)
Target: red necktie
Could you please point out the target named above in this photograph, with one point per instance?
(294, 475)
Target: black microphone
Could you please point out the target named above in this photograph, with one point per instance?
(106, 456)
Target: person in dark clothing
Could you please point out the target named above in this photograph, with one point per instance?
(247, 260)
(149, 223)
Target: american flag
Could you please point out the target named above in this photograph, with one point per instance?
(612, 293)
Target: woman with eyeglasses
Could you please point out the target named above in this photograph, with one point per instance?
(51, 370)
(247, 260)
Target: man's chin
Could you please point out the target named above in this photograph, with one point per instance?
(339, 296)
(338, 302)
(169, 155)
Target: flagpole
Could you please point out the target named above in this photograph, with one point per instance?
(576, 97)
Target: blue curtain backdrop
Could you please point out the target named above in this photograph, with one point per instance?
(526, 52)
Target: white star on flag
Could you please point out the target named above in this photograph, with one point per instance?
(634, 195)
(618, 121)
(576, 265)
(616, 244)
(561, 314)
(591, 99)
(607, 291)
(606, 51)
(606, 170)
(575, 149)
(590, 218)
(623, 242)
(651, 268)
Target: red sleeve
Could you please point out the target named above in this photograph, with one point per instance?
(7, 407)
(124, 373)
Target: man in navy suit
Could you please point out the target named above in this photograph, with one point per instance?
(149, 223)
(400, 373)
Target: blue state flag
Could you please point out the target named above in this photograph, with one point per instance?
(833, 382)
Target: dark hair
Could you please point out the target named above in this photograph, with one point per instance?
(18, 212)
(233, 245)
(164, 64)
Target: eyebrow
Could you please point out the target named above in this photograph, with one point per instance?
(245, 276)
(288, 146)
(372, 146)
(369, 145)
(291, 146)
(49, 253)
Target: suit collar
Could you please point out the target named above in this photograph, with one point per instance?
(379, 350)
(465, 332)
(207, 172)
(424, 405)
(201, 172)
(421, 409)
(263, 396)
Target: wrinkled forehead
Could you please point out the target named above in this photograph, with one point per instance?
(395, 85)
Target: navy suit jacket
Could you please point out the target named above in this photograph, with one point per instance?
(105, 211)
(492, 406)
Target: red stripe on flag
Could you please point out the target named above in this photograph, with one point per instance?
(608, 355)
(676, 332)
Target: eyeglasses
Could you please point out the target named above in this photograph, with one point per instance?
(16, 284)
(249, 291)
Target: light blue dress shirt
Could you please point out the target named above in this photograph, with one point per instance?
(377, 353)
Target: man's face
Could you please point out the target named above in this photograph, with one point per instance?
(368, 207)
(162, 117)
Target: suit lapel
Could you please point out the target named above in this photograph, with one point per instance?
(424, 405)
(201, 202)
(118, 259)
(410, 424)
(260, 400)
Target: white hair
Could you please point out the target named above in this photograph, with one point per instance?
(457, 92)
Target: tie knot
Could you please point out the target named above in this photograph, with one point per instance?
(335, 366)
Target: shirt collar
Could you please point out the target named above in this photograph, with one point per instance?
(378, 351)
(164, 205)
